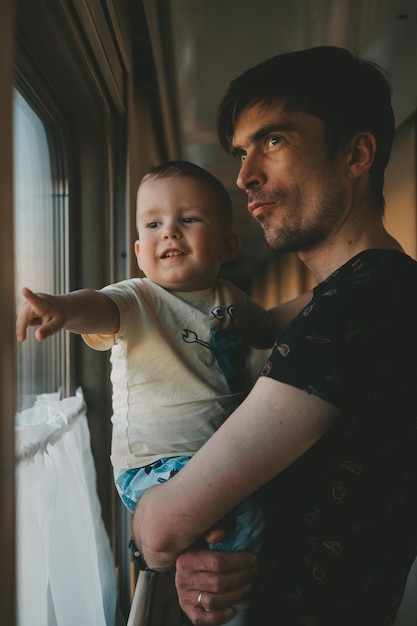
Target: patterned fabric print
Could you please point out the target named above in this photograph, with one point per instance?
(132, 483)
(230, 351)
(245, 523)
(341, 529)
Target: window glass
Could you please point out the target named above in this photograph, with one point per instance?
(40, 202)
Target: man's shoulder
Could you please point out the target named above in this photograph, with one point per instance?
(376, 268)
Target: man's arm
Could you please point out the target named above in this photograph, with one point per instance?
(273, 427)
(84, 311)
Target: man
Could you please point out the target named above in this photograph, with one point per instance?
(327, 436)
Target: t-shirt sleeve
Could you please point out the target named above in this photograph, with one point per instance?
(330, 350)
(127, 297)
(100, 342)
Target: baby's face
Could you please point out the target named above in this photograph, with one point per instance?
(182, 239)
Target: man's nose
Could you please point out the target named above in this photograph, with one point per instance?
(250, 174)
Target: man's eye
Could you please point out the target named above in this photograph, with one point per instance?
(240, 156)
(273, 141)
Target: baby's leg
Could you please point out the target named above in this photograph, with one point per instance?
(132, 483)
(246, 534)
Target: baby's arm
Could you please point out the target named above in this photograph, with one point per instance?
(266, 326)
(84, 311)
(285, 312)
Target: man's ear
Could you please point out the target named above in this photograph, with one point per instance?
(231, 247)
(362, 153)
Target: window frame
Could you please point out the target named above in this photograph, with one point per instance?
(92, 63)
(59, 353)
(8, 356)
(57, 76)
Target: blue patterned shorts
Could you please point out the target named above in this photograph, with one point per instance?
(132, 483)
(246, 519)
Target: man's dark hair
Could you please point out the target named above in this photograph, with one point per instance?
(172, 169)
(349, 94)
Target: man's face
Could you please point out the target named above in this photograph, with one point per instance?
(298, 192)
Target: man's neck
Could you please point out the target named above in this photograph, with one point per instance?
(332, 254)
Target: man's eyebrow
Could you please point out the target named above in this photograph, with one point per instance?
(263, 132)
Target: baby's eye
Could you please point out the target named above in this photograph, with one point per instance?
(189, 220)
(153, 224)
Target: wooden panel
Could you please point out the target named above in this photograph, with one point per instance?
(100, 38)
(400, 189)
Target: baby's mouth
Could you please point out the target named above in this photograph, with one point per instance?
(172, 253)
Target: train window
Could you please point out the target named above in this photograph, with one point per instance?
(41, 231)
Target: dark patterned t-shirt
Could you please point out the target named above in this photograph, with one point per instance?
(342, 520)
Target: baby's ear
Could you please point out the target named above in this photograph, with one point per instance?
(232, 245)
(137, 250)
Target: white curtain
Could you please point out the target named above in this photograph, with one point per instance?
(407, 615)
(66, 574)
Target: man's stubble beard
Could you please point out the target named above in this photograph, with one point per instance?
(293, 236)
(290, 238)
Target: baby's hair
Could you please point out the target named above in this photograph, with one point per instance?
(171, 169)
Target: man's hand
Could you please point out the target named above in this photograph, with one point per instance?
(209, 583)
